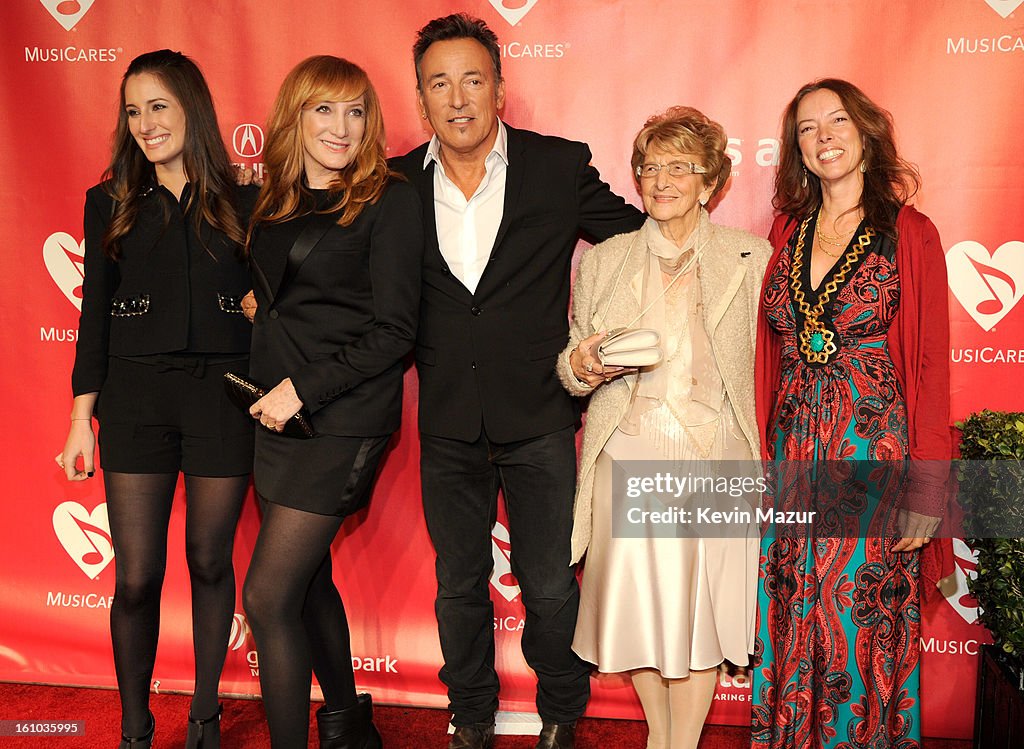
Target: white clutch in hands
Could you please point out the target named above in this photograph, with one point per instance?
(630, 347)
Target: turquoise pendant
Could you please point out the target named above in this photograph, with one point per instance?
(817, 342)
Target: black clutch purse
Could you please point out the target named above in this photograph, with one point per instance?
(243, 393)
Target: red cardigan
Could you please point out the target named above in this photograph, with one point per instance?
(918, 342)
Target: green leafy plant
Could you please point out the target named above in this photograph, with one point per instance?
(991, 481)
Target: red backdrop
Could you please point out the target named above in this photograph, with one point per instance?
(949, 70)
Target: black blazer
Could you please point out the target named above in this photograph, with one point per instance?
(172, 289)
(488, 359)
(339, 323)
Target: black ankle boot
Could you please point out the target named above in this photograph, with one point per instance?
(204, 734)
(351, 728)
(142, 742)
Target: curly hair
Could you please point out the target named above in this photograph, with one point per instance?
(889, 181)
(686, 130)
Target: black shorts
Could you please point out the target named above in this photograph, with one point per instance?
(169, 413)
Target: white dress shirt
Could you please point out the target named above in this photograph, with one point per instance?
(466, 228)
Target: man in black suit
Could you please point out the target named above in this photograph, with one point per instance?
(502, 211)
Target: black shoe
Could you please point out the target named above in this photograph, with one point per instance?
(142, 742)
(204, 734)
(351, 728)
(557, 736)
(475, 736)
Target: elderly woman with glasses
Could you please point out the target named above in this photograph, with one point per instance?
(668, 610)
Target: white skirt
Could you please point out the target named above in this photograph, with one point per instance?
(671, 604)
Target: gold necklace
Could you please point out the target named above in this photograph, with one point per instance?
(841, 245)
(830, 254)
(835, 237)
(836, 240)
(817, 342)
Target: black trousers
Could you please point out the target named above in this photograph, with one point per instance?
(460, 488)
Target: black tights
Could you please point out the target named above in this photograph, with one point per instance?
(139, 509)
(298, 620)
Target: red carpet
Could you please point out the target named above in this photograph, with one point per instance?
(243, 726)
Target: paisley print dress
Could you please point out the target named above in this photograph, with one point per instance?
(839, 613)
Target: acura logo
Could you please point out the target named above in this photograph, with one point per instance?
(513, 11)
(248, 140)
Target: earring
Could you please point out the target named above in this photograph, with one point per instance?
(803, 179)
(703, 201)
(863, 166)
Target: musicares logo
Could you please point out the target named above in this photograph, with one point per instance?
(501, 576)
(65, 260)
(960, 599)
(84, 535)
(247, 140)
(515, 14)
(239, 631)
(67, 12)
(987, 284)
(1004, 7)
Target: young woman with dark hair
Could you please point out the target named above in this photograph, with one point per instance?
(164, 275)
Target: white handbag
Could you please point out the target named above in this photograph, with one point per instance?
(630, 347)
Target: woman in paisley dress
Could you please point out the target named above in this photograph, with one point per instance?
(850, 385)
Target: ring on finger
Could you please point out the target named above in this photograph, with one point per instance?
(589, 366)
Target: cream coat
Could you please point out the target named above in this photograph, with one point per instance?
(731, 271)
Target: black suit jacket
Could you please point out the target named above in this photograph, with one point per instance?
(173, 289)
(487, 359)
(340, 322)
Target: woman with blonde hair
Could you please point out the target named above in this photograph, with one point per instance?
(336, 245)
(667, 610)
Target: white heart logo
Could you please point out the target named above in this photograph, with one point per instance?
(67, 12)
(987, 284)
(65, 259)
(85, 536)
(957, 595)
(501, 576)
(515, 15)
(239, 631)
(1004, 7)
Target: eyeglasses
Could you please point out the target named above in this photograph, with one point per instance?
(675, 169)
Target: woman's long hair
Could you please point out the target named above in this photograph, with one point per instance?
(206, 162)
(889, 181)
(361, 182)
